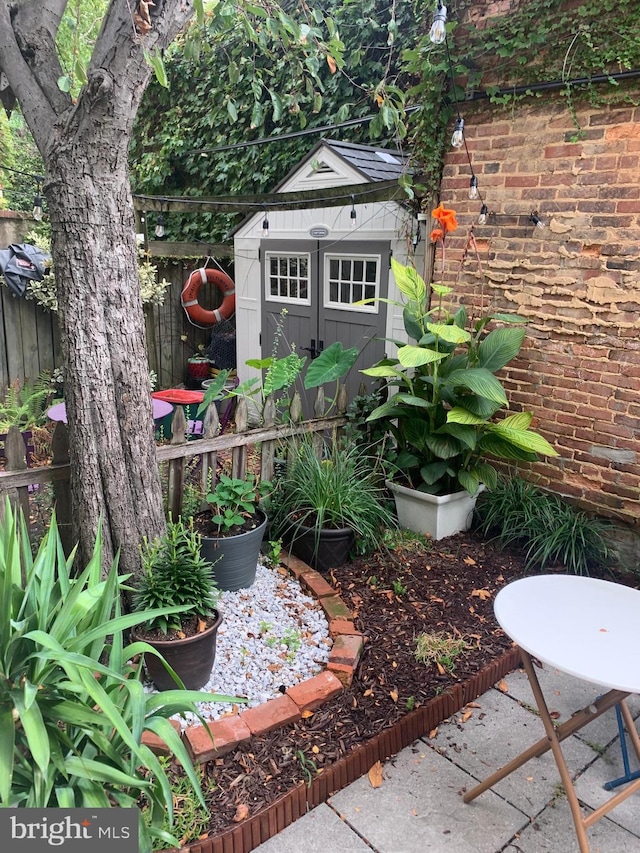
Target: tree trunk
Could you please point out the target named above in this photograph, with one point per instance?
(107, 391)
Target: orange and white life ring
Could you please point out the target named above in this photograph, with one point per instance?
(189, 296)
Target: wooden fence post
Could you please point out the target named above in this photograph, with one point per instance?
(239, 454)
(268, 448)
(62, 488)
(175, 483)
(16, 460)
(210, 427)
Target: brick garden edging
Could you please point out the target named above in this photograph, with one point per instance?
(229, 731)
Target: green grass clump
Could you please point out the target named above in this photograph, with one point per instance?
(441, 649)
(550, 530)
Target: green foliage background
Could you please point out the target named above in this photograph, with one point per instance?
(232, 93)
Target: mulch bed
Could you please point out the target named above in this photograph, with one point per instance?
(394, 595)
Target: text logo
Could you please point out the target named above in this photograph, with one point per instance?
(69, 830)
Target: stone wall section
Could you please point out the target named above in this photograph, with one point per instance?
(577, 281)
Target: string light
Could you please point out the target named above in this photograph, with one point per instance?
(473, 188)
(484, 212)
(438, 31)
(265, 225)
(457, 140)
(353, 213)
(160, 232)
(536, 219)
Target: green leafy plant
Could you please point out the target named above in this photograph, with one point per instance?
(72, 705)
(399, 588)
(335, 489)
(308, 766)
(550, 529)
(175, 574)
(233, 500)
(24, 404)
(441, 649)
(190, 819)
(442, 415)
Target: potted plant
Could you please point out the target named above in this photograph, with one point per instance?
(445, 405)
(326, 501)
(232, 530)
(176, 575)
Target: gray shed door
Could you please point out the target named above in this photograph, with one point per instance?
(317, 282)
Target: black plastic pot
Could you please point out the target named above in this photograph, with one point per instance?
(192, 658)
(235, 558)
(324, 550)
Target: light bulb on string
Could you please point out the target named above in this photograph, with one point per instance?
(457, 140)
(536, 220)
(353, 214)
(265, 226)
(482, 217)
(438, 31)
(473, 188)
(160, 232)
(37, 206)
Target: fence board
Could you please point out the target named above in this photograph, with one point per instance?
(16, 479)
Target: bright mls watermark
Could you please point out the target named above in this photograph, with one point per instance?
(69, 830)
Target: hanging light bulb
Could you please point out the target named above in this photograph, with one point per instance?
(473, 188)
(457, 140)
(353, 213)
(265, 225)
(37, 206)
(438, 31)
(484, 212)
(160, 227)
(536, 220)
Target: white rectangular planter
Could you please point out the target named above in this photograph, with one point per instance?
(435, 515)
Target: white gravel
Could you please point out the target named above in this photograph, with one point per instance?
(272, 636)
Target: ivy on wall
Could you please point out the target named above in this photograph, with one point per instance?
(536, 41)
(229, 94)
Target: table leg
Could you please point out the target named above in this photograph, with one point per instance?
(554, 735)
(565, 776)
(571, 726)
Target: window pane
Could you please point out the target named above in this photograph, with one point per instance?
(333, 269)
(371, 271)
(304, 293)
(345, 292)
(369, 291)
(346, 270)
(333, 292)
(358, 270)
(357, 292)
(303, 268)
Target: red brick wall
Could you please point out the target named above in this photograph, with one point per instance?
(577, 281)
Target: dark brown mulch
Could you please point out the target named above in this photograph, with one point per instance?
(449, 588)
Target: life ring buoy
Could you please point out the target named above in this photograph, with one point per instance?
(189, 296)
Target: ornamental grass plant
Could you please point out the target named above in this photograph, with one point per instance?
(551, 531)
(331, 487)
(73, 708)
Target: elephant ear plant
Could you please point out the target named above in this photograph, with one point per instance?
(444, 396)
(72, 704)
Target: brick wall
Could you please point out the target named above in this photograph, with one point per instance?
(577, 281)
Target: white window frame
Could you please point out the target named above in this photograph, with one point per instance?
(371, 308)
(294, 300)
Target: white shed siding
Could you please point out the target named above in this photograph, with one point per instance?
(375, 221)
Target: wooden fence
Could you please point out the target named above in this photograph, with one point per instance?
(31, 341)
(21, 483)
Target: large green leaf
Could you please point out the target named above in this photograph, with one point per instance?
(527, 440)
(408, 281)
(432, 472)
(332, 363)
(480, 381)
(500, 347)
(458, 415)
(383, 371)
(469, 481)
(450, 334)
(443, 446)
(7, 745)
(415, 356)
(466, 434)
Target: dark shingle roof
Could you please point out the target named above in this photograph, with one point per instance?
(376, 164)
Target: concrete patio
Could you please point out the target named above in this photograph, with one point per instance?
(418, 807)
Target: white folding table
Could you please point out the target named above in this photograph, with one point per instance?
(587, 628)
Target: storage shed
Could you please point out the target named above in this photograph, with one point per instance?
(316, 262)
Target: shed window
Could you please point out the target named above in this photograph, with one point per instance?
(287, 277)
(351, 278)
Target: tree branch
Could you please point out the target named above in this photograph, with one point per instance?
(35, 25)
(35, 105)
